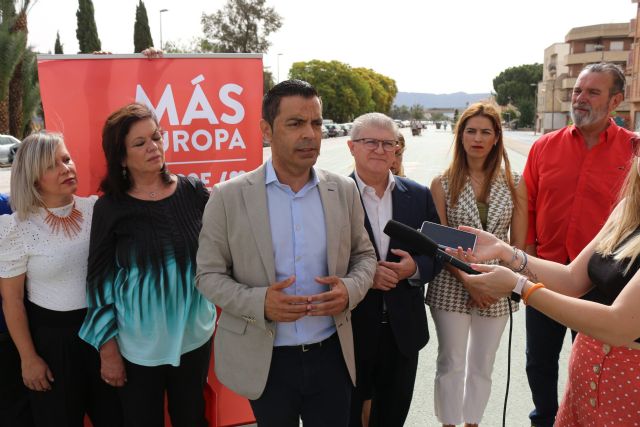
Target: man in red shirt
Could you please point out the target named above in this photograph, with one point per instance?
(573, 178)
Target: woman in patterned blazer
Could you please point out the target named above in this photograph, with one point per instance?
(477, 189)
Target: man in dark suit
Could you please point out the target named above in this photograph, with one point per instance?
(390, 324)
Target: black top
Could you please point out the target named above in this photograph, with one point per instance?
(607, 275)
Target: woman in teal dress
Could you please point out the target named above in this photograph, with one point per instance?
(152, 327)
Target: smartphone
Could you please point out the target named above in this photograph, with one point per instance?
(447, 236)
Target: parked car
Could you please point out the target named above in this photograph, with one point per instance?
(8, 147)
(344, 128)
(334, 130)
(325, 132)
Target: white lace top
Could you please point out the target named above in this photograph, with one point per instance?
(56, 266)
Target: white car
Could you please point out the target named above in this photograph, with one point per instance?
(8, 147)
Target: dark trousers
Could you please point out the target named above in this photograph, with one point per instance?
(14, 400)
(387, 379)
(544, 343)
(77, 387)
(313, 385)
(143, 395)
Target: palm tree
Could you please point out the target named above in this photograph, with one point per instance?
(16, 86)
(12, 46)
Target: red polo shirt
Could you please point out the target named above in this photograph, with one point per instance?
(572, 189)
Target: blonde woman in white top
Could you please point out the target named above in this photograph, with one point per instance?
(43, 264)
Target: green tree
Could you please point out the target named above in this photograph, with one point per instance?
(527, 113)
(416, 112)
(31, 104)
(241, 26)
(57, 49)
(345, 94)
(517, 84)
(16, 85)
(400, 112)
(141, 32)
(267, 81)
(12, 47)
(87, 32)
(383, 89)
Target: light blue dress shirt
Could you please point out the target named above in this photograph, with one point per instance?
(300, 248)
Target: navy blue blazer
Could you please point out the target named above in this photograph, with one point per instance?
(412, 205)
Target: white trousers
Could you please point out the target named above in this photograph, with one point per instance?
(467, 346)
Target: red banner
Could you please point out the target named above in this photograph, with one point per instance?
(208, 107)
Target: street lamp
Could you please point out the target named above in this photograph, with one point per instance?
(161, 11)
(279, 55)
(535, 117)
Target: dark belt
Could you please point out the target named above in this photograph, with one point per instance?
(306, 347)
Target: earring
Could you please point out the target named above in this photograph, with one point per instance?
(124, 173)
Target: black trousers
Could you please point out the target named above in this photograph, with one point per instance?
(14, 400)
(387, 378)
(77, 387)
(311, 385)
(143, 395)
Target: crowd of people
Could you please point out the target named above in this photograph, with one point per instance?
(109, 302)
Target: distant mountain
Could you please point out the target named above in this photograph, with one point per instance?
(447, 100)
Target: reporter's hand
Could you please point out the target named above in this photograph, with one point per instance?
(332, 302)
(384, 278)
(36, 374)
(280, 307)
(112, 368)
(405, 267)
(488, 246)
(495, 281)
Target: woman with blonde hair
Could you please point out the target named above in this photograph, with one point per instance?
(603, 381)
(477, 189)
(44, 247)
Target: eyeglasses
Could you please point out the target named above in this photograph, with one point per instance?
(635, 145)
(373, 144)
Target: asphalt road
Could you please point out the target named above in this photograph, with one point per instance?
(425, 157)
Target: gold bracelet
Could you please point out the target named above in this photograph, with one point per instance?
(531, 290)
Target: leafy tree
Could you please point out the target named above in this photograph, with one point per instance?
(141, 32)
(400, 112)
(517, 84)
(416, 112)
(31, 104)
(87, 32)
(508, 115)
(383, 89)
(527, 113)
(58, 46)
(12, 46)
(18, 25)
(345, 94)
(241, 26)
(267, 81)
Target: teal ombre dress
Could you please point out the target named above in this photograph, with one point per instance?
(141, 276)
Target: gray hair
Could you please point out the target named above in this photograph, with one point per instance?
(613, 70)
(36, 154)
(378, 120)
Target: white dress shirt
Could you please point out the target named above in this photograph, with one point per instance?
(379, 211)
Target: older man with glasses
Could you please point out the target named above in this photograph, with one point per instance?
(390, 324)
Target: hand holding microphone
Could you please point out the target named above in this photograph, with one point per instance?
(422, 244)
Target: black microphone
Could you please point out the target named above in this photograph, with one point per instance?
(422, 244)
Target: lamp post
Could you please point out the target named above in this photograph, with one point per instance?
(161, 12)
(535, 110)
(279, 55)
